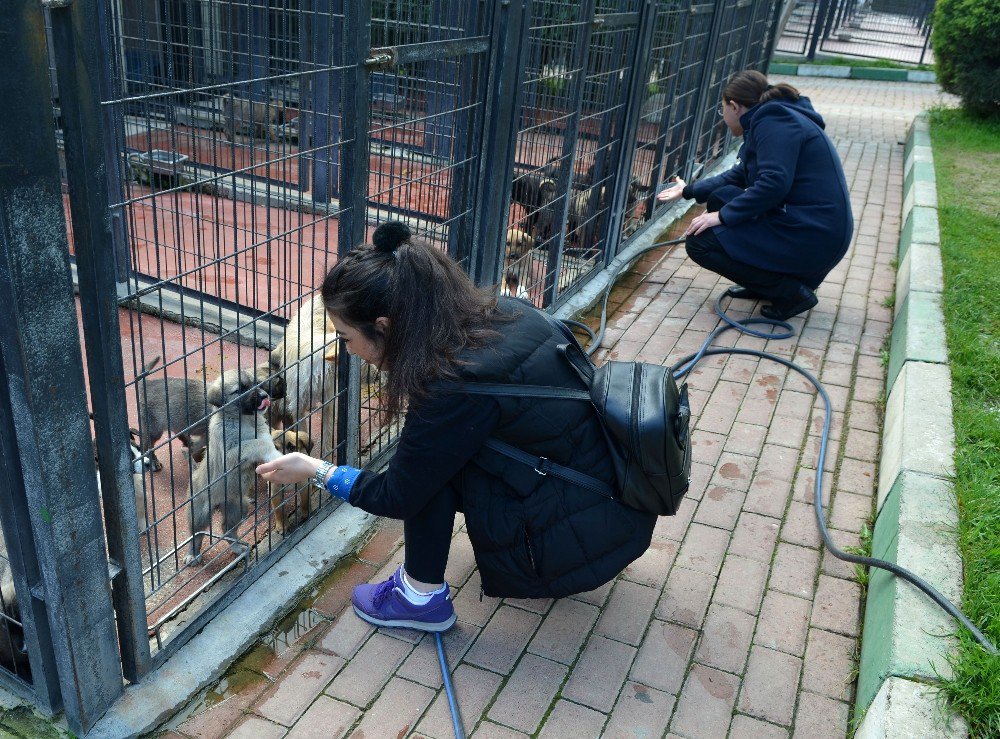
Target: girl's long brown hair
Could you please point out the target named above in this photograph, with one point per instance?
(750, 88)
(435, 311)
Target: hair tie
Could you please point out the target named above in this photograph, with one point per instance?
(390, 236)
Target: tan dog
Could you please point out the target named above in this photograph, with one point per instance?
(288, 442)
(519, 244)
(306, 359)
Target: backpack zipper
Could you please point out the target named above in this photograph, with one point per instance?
(634, 421)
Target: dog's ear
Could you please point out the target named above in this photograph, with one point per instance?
(213, 392)
(332, 352)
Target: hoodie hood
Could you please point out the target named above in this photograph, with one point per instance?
(802, 105)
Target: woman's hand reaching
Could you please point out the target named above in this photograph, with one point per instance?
(672, 193)
(702, 222)
(290, 468)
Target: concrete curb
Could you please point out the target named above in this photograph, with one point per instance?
(907, 638)
(853, 73)
(206, 657)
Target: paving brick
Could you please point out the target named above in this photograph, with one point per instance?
(529, 692)
(829, 664)
(597, 596)
(794, 570)
(857, 477)
(767, 496)
(489, 730)
(257, 728)
(564, 630)
(705, 705)
(568, 719)
(369, 670)
(423, 665)
(652, 567)
(385, 540)
(706, 446)
(746, 439)
(599, 673)
(676, 526)
(741, 583)
(720, 507)
(744, 727)
(626, 614)
(215, 720)
(335, 592)
(784, 621)
(733, 471)
(298, 687)
(778, 462)
(820, 718)
(726, 638)
(703, 549)
(836, 606)
(641, 711)
(864, 416)
(838, 567)
(850, 512)
(461, 560)
(471, 605)
(769, 686)
(861, 445)
(800, 525)
(540, 606)
(504, 638)
(346, 635)
(754, 537)
(663, 656)
(326, 719)
(686, 596)
(474, 689)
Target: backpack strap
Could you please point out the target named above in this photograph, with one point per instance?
(545, 466)
(524, 391)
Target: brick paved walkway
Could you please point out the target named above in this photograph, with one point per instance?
(734, 622)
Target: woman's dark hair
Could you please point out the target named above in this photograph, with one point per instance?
(750, 88)
(434, 310)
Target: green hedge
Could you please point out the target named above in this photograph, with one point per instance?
(966, 41)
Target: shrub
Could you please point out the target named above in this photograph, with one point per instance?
(967, 52)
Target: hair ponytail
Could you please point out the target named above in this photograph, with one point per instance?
(435, 311)
(750, 88)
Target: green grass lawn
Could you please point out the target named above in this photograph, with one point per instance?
(841, 61)
(967, 166)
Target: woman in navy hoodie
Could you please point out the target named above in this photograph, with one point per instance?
(780, 219)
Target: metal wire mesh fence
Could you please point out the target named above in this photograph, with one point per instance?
(897, 30)
(248, 145)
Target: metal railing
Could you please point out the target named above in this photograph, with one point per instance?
(217, 160)
(898, 30)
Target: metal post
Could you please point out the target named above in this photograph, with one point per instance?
(703, 87)
(772, 37)
(44, 367)
(508, 53)
(578, 63)
(818, 29)
(468, 126)
(353, 184)
(76, 32)
(635, 87)
(325, 100)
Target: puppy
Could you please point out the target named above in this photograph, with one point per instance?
(238, 440)
(287, 442)
(306, 362)
(178, 405)
(13, 652)
(519, 244)
(259, 119)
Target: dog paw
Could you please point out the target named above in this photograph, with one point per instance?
(192, 559)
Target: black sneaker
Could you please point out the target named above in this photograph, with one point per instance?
(738, 292)
(805, 300)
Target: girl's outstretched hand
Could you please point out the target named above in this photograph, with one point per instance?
(290, 468)
(672, 193)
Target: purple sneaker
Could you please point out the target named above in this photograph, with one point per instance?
(384, 604)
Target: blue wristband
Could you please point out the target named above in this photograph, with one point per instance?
(339, 483)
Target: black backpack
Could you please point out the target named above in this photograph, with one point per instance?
(645, 418)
